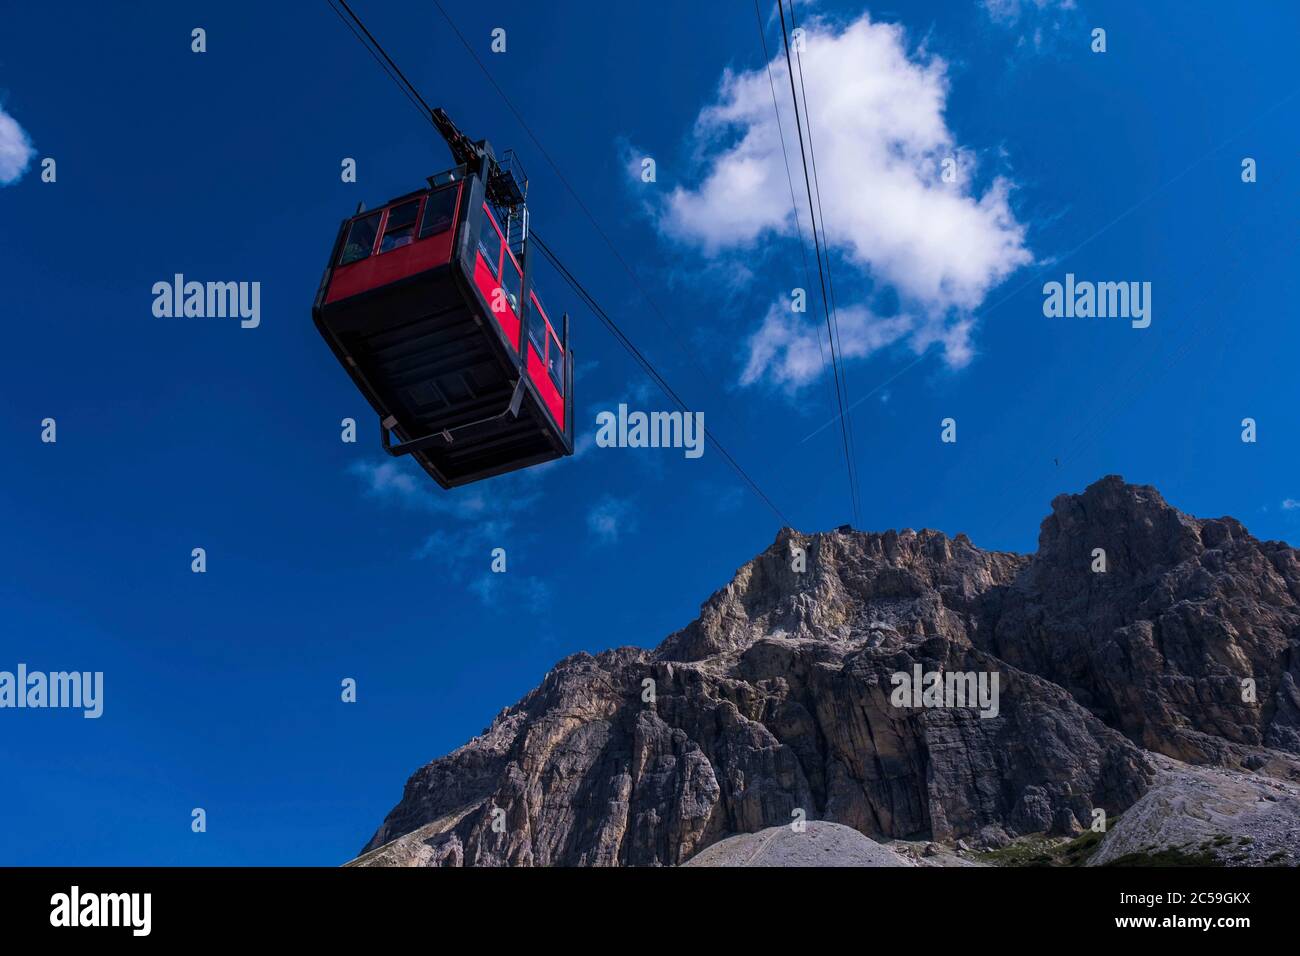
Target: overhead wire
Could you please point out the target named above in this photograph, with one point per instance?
(789, 176)
(564, 181)
(830, 279)
(826, 299)
(381, 56)
(648, 367)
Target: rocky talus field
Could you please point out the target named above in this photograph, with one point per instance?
(1162, 692)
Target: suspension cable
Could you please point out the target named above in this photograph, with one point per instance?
(390, 67)
(817, 246)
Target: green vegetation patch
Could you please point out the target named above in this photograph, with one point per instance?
(1169, 856)
(1038, 849)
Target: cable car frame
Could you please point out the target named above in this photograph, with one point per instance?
(428, 304)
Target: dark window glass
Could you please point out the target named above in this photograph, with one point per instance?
(361, 238)
(489, 243)
(400, 228)
(537, 334)
(439, 210)
(555, 364)
(512, 282)
(403, 215)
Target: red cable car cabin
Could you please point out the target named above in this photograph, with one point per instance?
(429, 307)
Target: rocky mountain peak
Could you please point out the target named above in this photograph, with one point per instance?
(850, 581)
(1139, 532)
(778, 701)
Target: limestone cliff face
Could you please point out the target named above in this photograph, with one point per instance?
(777, 699)
(1159, 645)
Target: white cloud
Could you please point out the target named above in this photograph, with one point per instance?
(631, 157)
(390, 482)
(610, 518)
(403, 484)
(16, 149)
(475, 540)
(785, 350)
(1290, 504)
(472, 521)
(1007, 12)
(504, 592)
(465, 555)
(584, 443)
(880, 135)
(1041, 24)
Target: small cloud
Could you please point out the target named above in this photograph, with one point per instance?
(631, 159)
(472, 523)
(788, 351)
(611, 518)
(404, 485)
(1290, 504)
(388, 481)
(16, 149)
(1040, 22)
(729, 499)
(459, 549)
(511, 590)
(1007, 12)
(465, 555)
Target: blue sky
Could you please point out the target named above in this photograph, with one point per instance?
(326, 560)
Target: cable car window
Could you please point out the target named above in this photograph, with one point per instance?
(439, 210)
(555, 364)
(489, 243)
(537, 335)
(512, 282)
(400, 229)
(361, 238)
